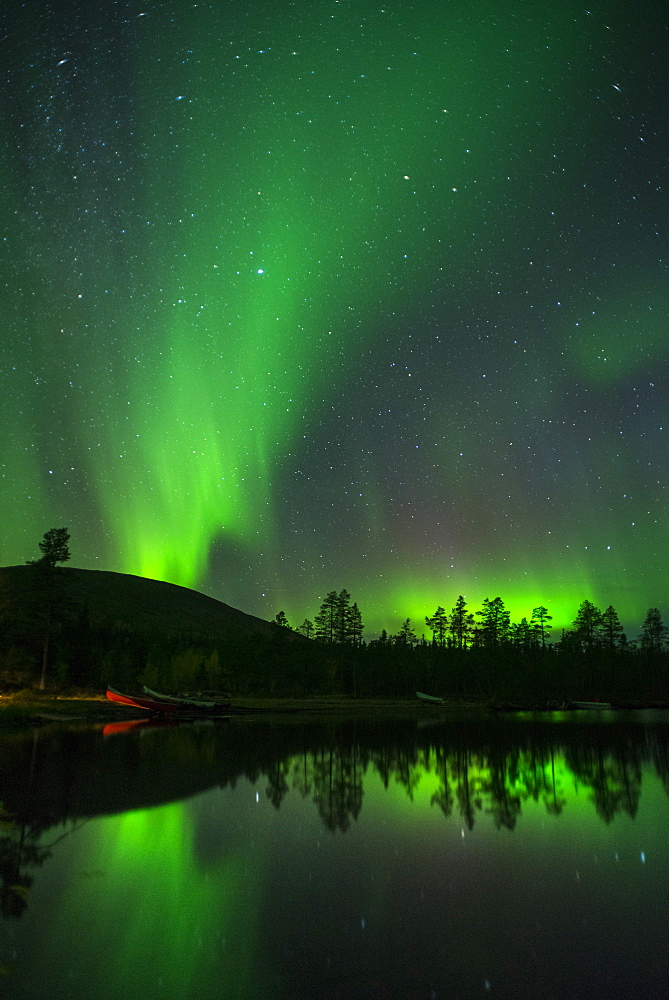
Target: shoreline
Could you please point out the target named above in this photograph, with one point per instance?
(37, 708)
(33, 708)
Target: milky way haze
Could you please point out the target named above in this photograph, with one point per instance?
(302, 296)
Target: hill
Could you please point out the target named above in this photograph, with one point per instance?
(120, 601)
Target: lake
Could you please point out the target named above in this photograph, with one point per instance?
(442, 857)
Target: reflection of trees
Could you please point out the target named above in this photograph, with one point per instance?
(476, 771)
(504, 799)
(551, 797)
(19, 851)
(408, 771)
(485, 776)
(277, 784)
(338, 786)
(383, 762)
(303, 773)
(499, 780)
(615, 781)
(659, 751)
(443, 797)
(469, 792)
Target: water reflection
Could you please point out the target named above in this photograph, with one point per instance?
(52, 780)
(338, 859)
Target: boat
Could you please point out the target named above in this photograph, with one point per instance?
(161, 704)
(212, 699)
(432, 699)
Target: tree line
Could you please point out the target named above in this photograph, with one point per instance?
(339, 622)
(469, 655)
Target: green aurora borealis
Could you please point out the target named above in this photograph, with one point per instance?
(308, 296)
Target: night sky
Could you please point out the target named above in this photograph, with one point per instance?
(308, 295)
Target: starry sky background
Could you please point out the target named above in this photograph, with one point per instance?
(308, 295)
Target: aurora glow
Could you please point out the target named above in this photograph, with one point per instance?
(334, 294)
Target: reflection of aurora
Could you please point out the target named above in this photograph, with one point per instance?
(209, 872)
(176, 918)
(469, 767)
(160, 917)
(467, 771)
(463, 785)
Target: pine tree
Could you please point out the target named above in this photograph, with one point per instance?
(307, 628)
(522, 634)
(539, 622)
(587, 625)
(337, 621)
(54, 547)
(48, 588)
(406, 635)
(461, 623)
(355, 625)
(342, 622)
(613, 634)
(326, 620)
(438, 624)
(495, 622)
(653, 632)
(280, 619)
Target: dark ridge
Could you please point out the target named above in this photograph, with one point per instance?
(121, 601)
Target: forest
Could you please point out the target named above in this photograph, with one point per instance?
(483, 656)
(50, 640)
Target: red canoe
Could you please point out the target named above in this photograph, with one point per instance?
(161, 705)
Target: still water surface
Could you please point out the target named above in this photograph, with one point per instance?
(368, 859)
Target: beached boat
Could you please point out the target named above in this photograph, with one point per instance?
(161, 704)
(597, 706)
(432, 699)
(212, 699)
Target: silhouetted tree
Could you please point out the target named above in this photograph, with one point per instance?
(438, 625)
(355, 625)
(495, 622)
(539, 621)
(461, 623)
(47, 589)
(342, 617)
(382, 641)
(587, 625)
(307, 628)
(406, 635)
(653, 632)
(339, 621)
(326, 619)
(54, 547)
(280, 619)
(612, 632)
(522, 635)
